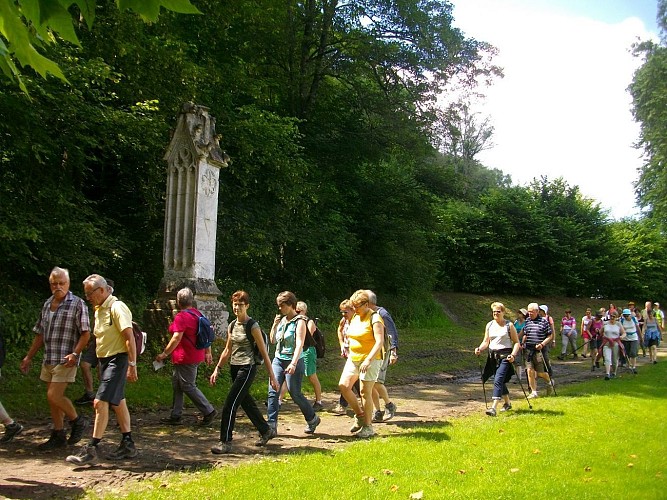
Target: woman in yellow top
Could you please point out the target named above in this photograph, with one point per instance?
(365, 334)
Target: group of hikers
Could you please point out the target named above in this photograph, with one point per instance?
(367, 336)
(368, 341)
(611, 335)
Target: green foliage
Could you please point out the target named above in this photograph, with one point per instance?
(30, 25)
(649, 94)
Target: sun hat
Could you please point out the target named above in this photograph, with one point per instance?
(626, 311)
(523, 311)
(545, 309)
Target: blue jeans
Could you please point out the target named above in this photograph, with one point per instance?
(294, 388)
(502, 377)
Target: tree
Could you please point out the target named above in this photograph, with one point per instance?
(29, 25)
(649, 94)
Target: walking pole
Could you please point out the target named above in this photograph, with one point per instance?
(582, 345)
(523, 390)
(551, 377)
(481, 372)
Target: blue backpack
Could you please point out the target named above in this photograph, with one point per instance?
(205, 333)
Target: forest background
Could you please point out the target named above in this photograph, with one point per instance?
(347, 171)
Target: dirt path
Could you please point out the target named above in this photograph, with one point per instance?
(27, 473)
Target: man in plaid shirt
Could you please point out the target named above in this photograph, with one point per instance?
(63, 329)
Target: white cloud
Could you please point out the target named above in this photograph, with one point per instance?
(562, 109)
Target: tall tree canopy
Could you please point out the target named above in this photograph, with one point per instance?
(649, 93)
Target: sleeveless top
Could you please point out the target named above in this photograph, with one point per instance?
(499, 337)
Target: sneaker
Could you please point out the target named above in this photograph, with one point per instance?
(208, 419)
(87, 455)
(317, 406)
(312, 425)
(575, 356)
(366, 432)
(491, 412)
(266, 437)
(126, 449)
(221, 448)
(389, 411)
(339, 409)
(58, 439)
(634, 370)
(606, 377)
(613, 375)
(655, 362)
(533, 395)
(583, 355)
(171, 420)
(78, 426)
(561, 357)
(357, 425)
(597, 364)
(506, 407)
(11, 430)
(378, 416)
(593, 368)
(86, 399)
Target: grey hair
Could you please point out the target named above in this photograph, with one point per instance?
(97, 280)
(372, 298)
(184, 298)
(60, 271)
(302, 306)
(533, 306)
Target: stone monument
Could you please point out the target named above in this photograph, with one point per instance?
(194, 160)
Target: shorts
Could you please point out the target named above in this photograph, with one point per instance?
(631, 348)
(310, 360)
(535, 362)
(586, 335)
(351, 368)
(594, 343)
(113, 378)
(383, 369)
(58, 373)
(89, 355)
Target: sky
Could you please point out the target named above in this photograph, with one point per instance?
(562, 108)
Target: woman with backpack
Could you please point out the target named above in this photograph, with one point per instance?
(310, 357)
(289, 333)
(243, 334)
(501, 339)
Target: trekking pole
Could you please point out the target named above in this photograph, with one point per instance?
(481, 372)
(551, 377)
(582, 345)
(523, 390)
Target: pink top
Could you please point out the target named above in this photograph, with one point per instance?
(186, 353)
(568, 323)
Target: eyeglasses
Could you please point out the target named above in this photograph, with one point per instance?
(360, 304)
(497, 312)
(57, 283)
(89, 294)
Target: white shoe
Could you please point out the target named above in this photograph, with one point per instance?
(532, 395)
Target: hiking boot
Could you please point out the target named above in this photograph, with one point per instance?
(389, 411)
(533, 395)
(491, 412)
(87, 455)
(378, 416)
(358, 424)
(58, 439)
(208, 419)
(312, 425)
(78, 426)
(266, 437)
(366, 432)
(126, 449)
(11, 430)
(171, 420)
(86, 399)
(317, 406)
(339, 409)
(506, 407)
(221, 448)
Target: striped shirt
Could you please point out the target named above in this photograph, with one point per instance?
(536, 330)
(62, 328)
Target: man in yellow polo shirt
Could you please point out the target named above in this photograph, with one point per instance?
(117, 353)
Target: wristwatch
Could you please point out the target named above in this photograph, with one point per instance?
(132, 363)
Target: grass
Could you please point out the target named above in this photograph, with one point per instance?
(596, 440)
